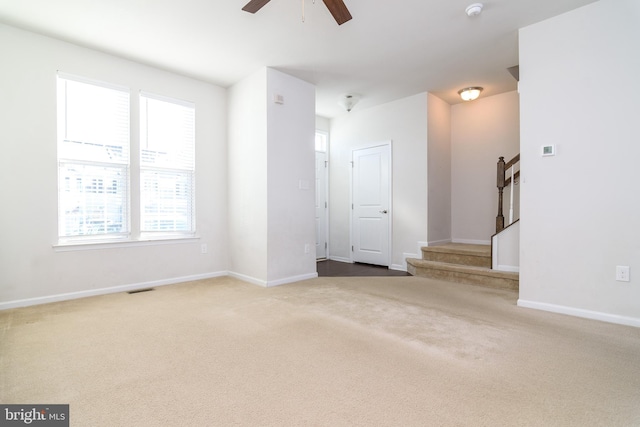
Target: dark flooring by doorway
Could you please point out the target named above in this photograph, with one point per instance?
(329, 268)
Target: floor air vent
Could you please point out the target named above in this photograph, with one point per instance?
(137, 291)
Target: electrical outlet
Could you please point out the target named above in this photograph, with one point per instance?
(622, 273)
(307, 248)
(203, 248)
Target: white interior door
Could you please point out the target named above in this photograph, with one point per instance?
(321, 204)
(371, 195)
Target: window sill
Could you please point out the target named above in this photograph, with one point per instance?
(87, 246)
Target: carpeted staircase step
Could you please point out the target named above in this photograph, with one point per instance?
(458, 253)
(468, 274)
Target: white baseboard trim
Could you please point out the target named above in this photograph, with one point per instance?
(578, 312)
(511, 268)
(438, 242)
(340, 259)
(399, 267)
(405, 255)
(104, 291)
(291, 279)
(248, 279)
(272, 283)
(472, 242)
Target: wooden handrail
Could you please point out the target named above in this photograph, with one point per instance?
(502, 183)
(512, 162)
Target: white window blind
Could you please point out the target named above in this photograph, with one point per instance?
(167, 165)
(93, 159)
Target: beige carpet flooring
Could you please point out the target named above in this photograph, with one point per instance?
(374, 351)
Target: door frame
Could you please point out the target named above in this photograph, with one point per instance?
(389, 146)
(326, 210)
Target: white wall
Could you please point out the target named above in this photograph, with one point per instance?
(444, 183)
(291, 179)
(580, 209)
(482, 131)
(272, 179)
(404, 122)
(247, 163)
(30, 268)
(439, 170)
(323, 124)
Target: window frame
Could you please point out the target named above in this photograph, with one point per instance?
(64, 160)
(188, 172)
(133, 234)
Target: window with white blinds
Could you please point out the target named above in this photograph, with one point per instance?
(93, 159)
(167, 165)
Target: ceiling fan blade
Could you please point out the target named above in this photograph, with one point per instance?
(338, 10)
(254, 5)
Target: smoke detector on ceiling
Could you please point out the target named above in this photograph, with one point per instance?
(474, 9)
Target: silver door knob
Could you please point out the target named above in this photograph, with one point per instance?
(384, 211)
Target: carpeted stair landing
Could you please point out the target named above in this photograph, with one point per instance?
(462, 263)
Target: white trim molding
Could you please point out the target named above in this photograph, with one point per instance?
(436, 242)
(272, 283)
(292, 279)
(510, 268)
(399, 267)
(341, 259)
(248, 279)
(79, 245)
(472, 242)
(579, 312)
(403, 266)
(104, 291)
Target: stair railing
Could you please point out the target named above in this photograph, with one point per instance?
(503, 182)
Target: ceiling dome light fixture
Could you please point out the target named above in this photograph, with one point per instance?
(470, 93)
(348, 101)
(474, 9)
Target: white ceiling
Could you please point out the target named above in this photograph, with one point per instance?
(389, 50)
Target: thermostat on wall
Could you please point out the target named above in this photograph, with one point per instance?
(548, 150)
